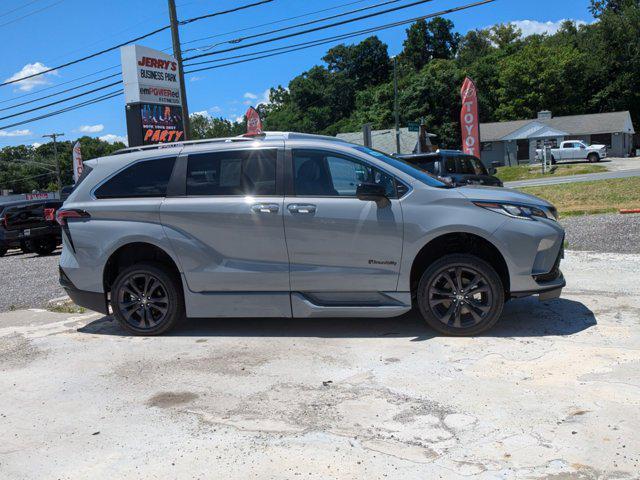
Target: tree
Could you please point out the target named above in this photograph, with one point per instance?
(475, 45)
(505, 36)
(427, 41)
(366, 63)
(203, 126)
(599, 7)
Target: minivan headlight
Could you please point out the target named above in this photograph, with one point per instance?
(525, 212)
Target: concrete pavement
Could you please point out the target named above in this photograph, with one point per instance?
(551, 392)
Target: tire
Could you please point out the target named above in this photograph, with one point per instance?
(3, 251)
(25, 247)
(44, 246)
(163, 304)
(439, 304)
(593, 157)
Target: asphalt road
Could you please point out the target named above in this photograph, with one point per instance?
(574, 178)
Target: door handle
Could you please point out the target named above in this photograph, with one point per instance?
(302, 208)
(265, 208)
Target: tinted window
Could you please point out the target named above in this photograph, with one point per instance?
(449, 164)
(403, 166)
(329, 174)
(148, 178)
(240, 172)
(427, 166)
(470, 165)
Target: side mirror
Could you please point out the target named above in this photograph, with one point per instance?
(371, 192)
(582, 147)
(494, 168)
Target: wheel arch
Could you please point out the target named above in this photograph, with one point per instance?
(135, 252)
(459, 242)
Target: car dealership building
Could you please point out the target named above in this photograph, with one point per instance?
(516, 141)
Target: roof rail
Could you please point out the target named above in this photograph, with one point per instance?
(160, 146)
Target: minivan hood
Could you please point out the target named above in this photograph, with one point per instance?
(504, 195)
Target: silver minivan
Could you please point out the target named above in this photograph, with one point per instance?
(298, 225)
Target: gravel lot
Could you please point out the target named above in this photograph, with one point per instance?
(28, 280)
(604, 233)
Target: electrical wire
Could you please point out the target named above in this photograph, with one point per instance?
(310, 22)
(60, 92)
(302, 46)
(224, 12)
(30, 13)
(9, 12)
(271, 23)
(315, 29)
(67, 109)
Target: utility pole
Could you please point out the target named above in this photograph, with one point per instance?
(54, 136)
(395, 102)
(177, 52)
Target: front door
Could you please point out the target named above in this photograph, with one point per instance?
(336, 242)
(227, 229)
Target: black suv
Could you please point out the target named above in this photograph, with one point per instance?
(456, 167)
(30, 225)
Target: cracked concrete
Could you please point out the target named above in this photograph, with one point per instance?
(553, 392)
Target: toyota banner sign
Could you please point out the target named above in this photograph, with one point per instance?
(469, 121)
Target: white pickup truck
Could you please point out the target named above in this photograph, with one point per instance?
(575, 150)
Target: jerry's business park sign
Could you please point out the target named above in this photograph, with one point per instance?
(152, 96)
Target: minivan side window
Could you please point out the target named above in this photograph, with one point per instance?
(235, 172)
(327, 174)
(148, 178)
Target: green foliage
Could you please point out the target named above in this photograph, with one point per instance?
(580, 69)
(210, 127)
(25, 168)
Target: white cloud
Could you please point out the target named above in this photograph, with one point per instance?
(202, 113)
(251, 96)
(256, 99)
(215, 109)
(92, 128)
(15, 133)
(194, 78)
(533, 27)
(111, 138)
(36, 144)
(30, 83)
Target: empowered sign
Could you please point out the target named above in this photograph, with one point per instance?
(469, 121)
(149, 76)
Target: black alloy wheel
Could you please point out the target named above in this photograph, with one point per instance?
(460, 295)
(147, 299)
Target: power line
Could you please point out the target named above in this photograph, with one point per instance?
(313, 43)
(9, 12)
(60, 84)
(30, 13)
(311, 22)
(86, 57)
(60, 92)
(315, 29)
(101, 98)
(224, 12)
(133, 40)
(272, 23)
(61, 101)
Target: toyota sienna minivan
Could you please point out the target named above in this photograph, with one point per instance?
(297, 225)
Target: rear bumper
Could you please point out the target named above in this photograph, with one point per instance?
(95, 301)
(14, 238)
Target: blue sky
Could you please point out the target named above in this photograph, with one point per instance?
(67, 29)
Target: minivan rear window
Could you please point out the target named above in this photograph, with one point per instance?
(148, 178)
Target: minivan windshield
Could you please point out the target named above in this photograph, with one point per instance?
(405, 167)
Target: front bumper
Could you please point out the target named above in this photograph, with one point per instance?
(95, 301)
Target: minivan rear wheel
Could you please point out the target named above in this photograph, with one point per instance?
(146, 299)
(460, 295)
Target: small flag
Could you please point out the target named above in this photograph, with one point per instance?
(77, 162)
(254, 125)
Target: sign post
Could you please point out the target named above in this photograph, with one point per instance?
(152, 96)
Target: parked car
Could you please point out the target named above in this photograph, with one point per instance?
(30, 225)
(455, 167)
(297, 225)
(575, 150)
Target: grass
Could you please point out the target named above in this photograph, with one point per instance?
(586, 198)
(528, 172)
(67, 307)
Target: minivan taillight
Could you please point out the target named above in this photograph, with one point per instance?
(63, 215)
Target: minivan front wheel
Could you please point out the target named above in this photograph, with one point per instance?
(460, 295)
(147, 299)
